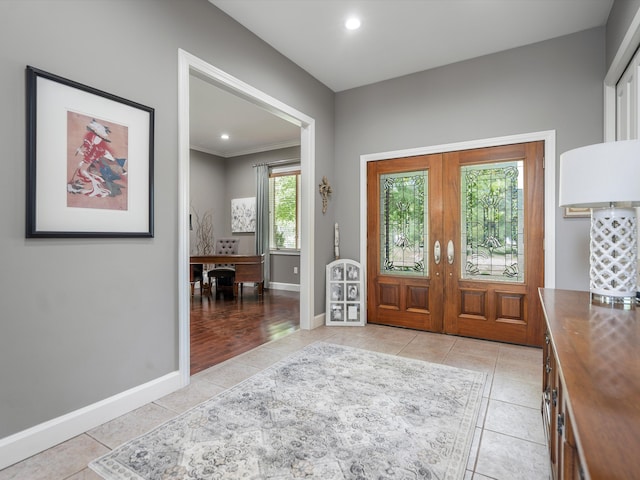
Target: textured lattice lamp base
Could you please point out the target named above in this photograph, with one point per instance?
(614, 250)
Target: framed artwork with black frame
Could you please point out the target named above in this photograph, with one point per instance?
(89, 161)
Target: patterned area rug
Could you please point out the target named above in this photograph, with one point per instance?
(326, 412)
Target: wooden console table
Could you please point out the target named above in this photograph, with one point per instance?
(249, 268)
(591, 388)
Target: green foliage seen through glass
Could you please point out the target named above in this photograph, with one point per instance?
(285, 211)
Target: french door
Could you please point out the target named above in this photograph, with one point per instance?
(455, 242)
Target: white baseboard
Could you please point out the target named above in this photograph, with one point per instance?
(291, 287)
(26, 443)
(318, 321)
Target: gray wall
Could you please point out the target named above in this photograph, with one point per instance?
(620, 17)
(207, 183)
(282, 269)
(553, 85)
(84, 319)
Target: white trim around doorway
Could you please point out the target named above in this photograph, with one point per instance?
(549, 138)
(187, 64)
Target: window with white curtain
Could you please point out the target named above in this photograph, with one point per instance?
(284, 208)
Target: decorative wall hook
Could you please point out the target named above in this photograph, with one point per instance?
(325, 193)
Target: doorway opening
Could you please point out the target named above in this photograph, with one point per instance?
(190, 65)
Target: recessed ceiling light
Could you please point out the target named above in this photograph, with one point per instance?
(352, 23)
(224, 136)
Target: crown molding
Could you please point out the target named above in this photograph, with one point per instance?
(248, 151)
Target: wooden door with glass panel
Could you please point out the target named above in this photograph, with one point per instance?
(494, 224)
(404, 286)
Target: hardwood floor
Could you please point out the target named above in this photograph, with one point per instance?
(223, 327)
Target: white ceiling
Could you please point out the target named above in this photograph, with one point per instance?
(397, 37)
(213, 111)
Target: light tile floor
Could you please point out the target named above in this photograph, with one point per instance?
(508, 443)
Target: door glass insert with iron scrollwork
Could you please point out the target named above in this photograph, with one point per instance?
(403, 221)
(492, 221)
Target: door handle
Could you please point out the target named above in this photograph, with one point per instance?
(450, 252)
(436, 252)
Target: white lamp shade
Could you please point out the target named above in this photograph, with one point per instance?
(597, 175)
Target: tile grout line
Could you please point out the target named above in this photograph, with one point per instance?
(484, 419)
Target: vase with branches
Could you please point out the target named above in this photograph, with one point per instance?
(204, 232)
(203, 235)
